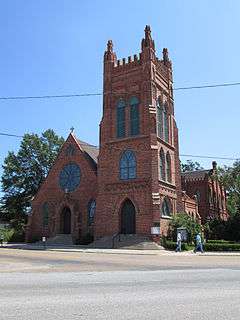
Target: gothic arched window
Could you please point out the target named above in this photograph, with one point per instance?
(121, 118)
(198, 196)
(166, 124)
(159, 119)
(45, 214)
(91, 211)
(127, 165)
(168, 167)
(134, 116)
(162, 165)
(166, 207)
(210, 197)
(220, 205)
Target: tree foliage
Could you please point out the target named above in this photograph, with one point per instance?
(184, 220)
(24, 172)
(190, 166)
(230, 177)
(227, 230)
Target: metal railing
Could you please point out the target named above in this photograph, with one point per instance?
(116, 237)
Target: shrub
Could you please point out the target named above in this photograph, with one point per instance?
(184, 220)
(171, 245)
(12, 235)
(222, 246)
(6, 234)
(219, 241)
(86, 239)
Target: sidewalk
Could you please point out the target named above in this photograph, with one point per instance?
(82, 249)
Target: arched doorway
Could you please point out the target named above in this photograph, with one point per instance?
(128, 218)
(66, 221)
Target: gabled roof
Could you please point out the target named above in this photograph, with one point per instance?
(195, 175)
(186, 197)
(91, 150)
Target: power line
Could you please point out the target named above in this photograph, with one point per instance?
(10, 135)
(181, 155)
(91, 94)
(209, 86)
(51, 96)
(208, 157)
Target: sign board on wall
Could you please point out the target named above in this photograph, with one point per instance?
(155, 230)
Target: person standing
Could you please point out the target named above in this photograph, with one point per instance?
(179, 242)
(198, 243)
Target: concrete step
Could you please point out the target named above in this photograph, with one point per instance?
(102, 243)
(60, 239)
(126, 241)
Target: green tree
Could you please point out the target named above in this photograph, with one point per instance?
(184, 220)
(190, 166)
(24, 172)
(230, 177)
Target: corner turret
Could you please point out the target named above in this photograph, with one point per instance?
(148, 45)
(109, 55)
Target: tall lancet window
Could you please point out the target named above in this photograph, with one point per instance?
(166, 207)
(128, 165)
(162, 165)
(168, 167)
(121, 118)
(166, 123)
(134, 116)
(159, 119)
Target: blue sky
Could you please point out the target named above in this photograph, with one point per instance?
(57, 46)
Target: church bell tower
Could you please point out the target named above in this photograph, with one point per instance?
(139, 183)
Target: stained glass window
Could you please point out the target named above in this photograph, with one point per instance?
(128, 165)
(45, 214)
(134, 116)
(121, 118)
(166, 207)
(159, 119)
(166, 124)
(168, 168)
(69, 177)
(91, 211)
(162, 165)
(198, 196)
(162, 121)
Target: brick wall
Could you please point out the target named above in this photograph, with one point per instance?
(51, 193)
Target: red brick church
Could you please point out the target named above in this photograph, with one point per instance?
(132, 184)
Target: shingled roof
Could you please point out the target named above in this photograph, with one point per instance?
(195, 175)
(91, 150)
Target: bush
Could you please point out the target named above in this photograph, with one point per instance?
(86, 239)
(222, 246)
(6, 234)
(12, 235)
(219, 241)
(184, 220)
(211, 245)
(171, 245)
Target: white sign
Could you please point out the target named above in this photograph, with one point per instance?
(155, 230)
(43, 239)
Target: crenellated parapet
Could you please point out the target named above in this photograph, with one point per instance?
(163, 65)
(130, 61)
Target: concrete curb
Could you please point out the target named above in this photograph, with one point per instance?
(21, 246)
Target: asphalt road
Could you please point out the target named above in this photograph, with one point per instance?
(50, 285)
(174, 294)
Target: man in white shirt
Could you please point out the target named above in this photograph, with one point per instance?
(179, 242)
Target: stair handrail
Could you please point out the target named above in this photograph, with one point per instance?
(115, 236)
